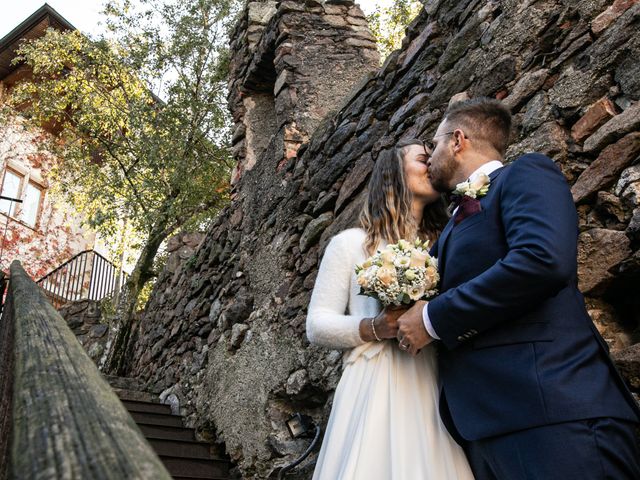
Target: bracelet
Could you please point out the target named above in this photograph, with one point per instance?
(373, 328)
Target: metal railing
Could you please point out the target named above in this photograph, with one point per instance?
(59, 417)
(86, 276)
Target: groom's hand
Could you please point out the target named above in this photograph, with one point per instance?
(411, 329)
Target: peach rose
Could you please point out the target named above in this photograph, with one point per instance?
(386, 275)
(418, 258)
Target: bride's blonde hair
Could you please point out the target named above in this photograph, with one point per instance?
(387, 211)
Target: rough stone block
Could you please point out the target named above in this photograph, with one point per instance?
(408, 109)
(606, 168)
(314, 230)
(633, 229)
(261, 12)
(297, 381)
(599, 252)
(192, 239)
(335, 21)
(538, 111)
(575, 88)
(355, 179)
(357, 21)
(356, 11)
(606, 18)
(628, 362)
(280, 82)
(418, 43)
(334, 9)
(597, 114)
(609, 204)
(98, 331)
(549, 139)
(525, 88)
(358, 42)
(465, 39)
(362, 32)
(627, 179)
(238, 334)
(347, 3)
(606, 321)
(618, 126)
(628, 75)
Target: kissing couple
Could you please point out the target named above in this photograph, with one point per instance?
(503, 375)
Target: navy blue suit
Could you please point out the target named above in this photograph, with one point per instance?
(518, 350)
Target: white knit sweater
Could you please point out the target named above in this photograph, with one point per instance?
(336, 308)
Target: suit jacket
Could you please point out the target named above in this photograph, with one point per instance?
(518, 349)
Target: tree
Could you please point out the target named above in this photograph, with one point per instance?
(143, 126)
(388, 24)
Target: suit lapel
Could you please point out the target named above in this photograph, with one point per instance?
(493, 175)
(442, 244)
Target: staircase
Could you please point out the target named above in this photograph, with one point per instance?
(183, 456)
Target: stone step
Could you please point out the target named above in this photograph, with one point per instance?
(135, 395)
(196, 468)
(146, 407)
(157, 419)
(184, 457)
(166, 432)
(181, 448)
(125, 383)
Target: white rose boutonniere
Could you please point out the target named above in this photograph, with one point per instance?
(476, 188)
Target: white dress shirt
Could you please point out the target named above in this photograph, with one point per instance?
(486, 168)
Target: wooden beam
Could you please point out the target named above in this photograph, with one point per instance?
(67, 421)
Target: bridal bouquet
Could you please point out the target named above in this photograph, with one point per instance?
(400, 274)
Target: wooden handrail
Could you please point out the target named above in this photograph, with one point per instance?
(6, 379)
(66, 420)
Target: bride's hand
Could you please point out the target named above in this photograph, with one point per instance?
(385, 324)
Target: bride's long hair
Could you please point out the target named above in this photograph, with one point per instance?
(387, 211)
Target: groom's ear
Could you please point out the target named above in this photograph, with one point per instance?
(458, 140)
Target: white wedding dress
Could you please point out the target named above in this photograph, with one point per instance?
(384, 423)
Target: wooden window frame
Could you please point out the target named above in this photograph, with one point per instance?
(25, 179)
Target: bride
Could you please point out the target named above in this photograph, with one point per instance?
(384, 423)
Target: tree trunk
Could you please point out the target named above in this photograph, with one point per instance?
(120, 350)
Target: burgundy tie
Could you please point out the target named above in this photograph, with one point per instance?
(467, 206)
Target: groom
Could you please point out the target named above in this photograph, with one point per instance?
(527, 386)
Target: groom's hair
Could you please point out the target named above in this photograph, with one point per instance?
(484, 119)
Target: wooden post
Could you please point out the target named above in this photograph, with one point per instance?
(67, 421)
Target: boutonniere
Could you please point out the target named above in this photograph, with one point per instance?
(474, 189)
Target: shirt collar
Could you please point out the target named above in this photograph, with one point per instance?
(487, 168)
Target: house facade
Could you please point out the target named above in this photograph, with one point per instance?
(39, 229)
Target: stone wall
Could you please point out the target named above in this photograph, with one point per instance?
(85, 319)
(225, 332)
(291, 65)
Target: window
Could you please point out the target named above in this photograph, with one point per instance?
(11, 189)
(16, 185)
(31, 205)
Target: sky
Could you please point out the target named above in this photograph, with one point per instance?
(85, 14)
